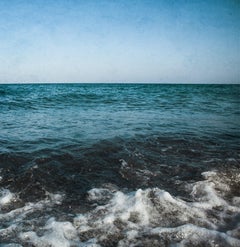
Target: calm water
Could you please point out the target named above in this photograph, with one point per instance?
(119, 165)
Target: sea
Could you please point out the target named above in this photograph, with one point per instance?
(100, 165)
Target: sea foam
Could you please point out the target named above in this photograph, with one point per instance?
(145, 217)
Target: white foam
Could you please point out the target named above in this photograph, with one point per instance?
(143, 217)
(6, 197)
(98, 194)
(55, 198)
(155, 209)
(136, 211)
(191, 234)
(13, 219)
(19, 214)
(56, 234)
(206, 195)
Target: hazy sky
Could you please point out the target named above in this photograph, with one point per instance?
(120, 41)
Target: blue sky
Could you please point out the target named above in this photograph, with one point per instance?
(120, 41)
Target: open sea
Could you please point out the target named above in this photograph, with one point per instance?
(105, 165)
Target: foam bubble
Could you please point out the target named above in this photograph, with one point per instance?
(99, 194)
(12, 221)
(56, 234)
(139, 211)
(6, 197)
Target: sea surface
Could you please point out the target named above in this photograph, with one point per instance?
(119, 165)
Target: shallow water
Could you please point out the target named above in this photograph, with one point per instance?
(119, 165)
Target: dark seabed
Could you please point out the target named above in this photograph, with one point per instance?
(119, 165)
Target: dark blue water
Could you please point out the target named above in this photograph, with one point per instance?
(71, 138)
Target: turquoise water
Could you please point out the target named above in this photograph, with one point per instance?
(63, 113)
(67, 139)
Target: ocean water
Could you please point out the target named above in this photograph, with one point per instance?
(119, 165)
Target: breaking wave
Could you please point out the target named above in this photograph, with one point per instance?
(145, 217)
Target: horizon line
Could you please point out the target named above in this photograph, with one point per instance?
(122, 82)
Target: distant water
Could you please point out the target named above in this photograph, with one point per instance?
(119, 165)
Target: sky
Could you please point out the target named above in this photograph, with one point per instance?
(120, 41)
